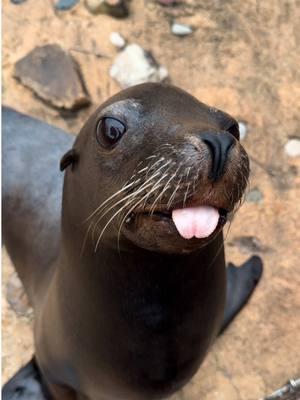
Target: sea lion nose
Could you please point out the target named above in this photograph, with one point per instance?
(219, 144)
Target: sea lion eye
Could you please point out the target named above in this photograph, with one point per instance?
(109, 131)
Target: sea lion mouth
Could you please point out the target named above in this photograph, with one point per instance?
(199, 222)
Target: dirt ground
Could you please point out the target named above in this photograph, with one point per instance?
(242, 57)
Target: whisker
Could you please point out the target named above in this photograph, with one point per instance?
(145, 185)
(173, 194)
(153, 165)
(110, 198)
(157, 184)
(186, 195)
(106, 225)
(134, 194)
(163, 191)
(85, 238)
(131, 210)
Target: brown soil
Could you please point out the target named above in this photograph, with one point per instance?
(242, 58)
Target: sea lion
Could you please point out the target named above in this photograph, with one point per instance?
(129, 289)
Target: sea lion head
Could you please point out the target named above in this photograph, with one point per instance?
(156, 168)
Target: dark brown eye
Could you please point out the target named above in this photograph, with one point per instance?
(109, 131)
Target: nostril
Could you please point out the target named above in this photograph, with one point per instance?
(219, 144)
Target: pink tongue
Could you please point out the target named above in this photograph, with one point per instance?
(195, 221)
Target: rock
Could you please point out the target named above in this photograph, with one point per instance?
(117, 40)
(249, 244)
(115, 8)
(16, 296)
(65, 4)
(292, 147)
(167, 3)
(134, 65)
(254, 196)
(17, 1)
(53, 75)
(181, 29)
(243, 130)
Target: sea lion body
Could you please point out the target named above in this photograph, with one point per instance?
(32, 196)
(124, 309)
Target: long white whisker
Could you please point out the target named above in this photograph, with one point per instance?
(110, 198)
(134, 194)
(163, 191)
(131, 209)
(110, 220)
(186, 195)
(145, 185)
(173, 194)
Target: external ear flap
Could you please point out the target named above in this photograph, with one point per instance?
(71, 157)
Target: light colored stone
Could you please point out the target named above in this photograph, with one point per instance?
(254, 196)
(292, 147)
(94, 5)
(115, 8)
(243, 130)
(117, 40)
(181, 29)
(162, 73)
(134, 65)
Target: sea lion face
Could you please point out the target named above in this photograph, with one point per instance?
(156, 166)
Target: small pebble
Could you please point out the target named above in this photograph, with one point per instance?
(17, 1)
(65, 4)
(292, 147)
(117, 40)
(254, 196)
(162, 73)
(243, 130)
(181, 29)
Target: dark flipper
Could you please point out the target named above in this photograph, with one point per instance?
(26, 384)
(240, 285)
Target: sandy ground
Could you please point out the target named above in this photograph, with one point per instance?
(243, 59)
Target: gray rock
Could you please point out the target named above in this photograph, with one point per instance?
(53, 75)
(115, 8)
(243, 127)
(134, 65)
(292, 147)
(17, 1)
(65, 4)
(249, 244)
(181, 29)
(117, 40)
(254, 196)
